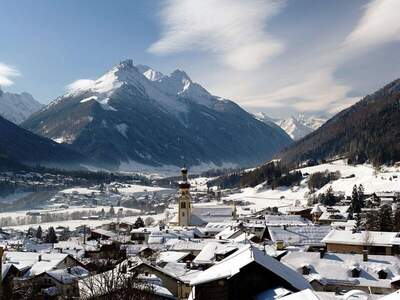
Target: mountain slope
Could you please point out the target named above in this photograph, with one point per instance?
(135, 115)
(22, 146)
(370, 129)
(17, 107)
(296, 127)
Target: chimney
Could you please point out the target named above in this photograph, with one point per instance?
(321, 252)
(40, 257)
(365, 255)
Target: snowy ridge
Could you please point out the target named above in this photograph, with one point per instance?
(178, 83)
(125, 73)
(296, 127)
(17, 107)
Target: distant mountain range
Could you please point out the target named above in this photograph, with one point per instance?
(20, 146)
(368, 130)
(17, 107)
(135, 116)
(296, 127)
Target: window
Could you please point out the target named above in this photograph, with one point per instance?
(382, 274)
(183, 214)
(183, 205)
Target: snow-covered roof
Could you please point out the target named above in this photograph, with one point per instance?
(330, 213)
(302, 295)
(275, 220)
(372, 238)
(299, 235)
(208, 254)
(183, 245)
(170, 256)
(227, 233)
(213, 213)
(233, 264)
(316, 209)
(70, 275)
(392, 296)
(336, 268)
(23, 260)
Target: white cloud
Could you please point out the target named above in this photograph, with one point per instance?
(80, 84)
(318, 89)
(233, 30)
(380, 24)
(6, 72)
(315, 92)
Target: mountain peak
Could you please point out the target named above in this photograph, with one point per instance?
(180, 75)
(125, 64)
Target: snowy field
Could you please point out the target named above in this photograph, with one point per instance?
(385, 180)
(131, 189)
(72, 224)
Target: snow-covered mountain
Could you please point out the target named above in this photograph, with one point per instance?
(369, 130)
(134, 116)
(296, 127)
(17, 107)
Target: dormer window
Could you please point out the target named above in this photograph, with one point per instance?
(382, 274)
(355, 272)
(305, 270)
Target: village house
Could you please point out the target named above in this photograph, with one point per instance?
(376, 274)
(243, 275)
(375, 242)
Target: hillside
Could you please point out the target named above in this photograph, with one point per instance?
(134, 116)
(368, 130)
(18, 146)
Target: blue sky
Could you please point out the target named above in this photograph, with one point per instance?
(280, 57)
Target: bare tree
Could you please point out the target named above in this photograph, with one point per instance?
(116, 284)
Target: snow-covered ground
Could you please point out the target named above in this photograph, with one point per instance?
(132, 189)
(72, 224)
(383, 180)
(386, 179)
(23, 213)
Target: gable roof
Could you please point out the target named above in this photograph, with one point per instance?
(335, 268)
(372, 238)
(299, 235)
(232, 265)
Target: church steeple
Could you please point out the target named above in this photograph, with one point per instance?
(184, 202)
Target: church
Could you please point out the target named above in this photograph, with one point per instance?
(189, 215)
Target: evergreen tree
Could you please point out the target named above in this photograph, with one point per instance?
(51, 236)
(358, 225)
(386, 218)
(372, 222)
(355, 201)
(361, 195)
(39, 233)
(396, 219)
(139, 223)
(112, 212)
(30, 232)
